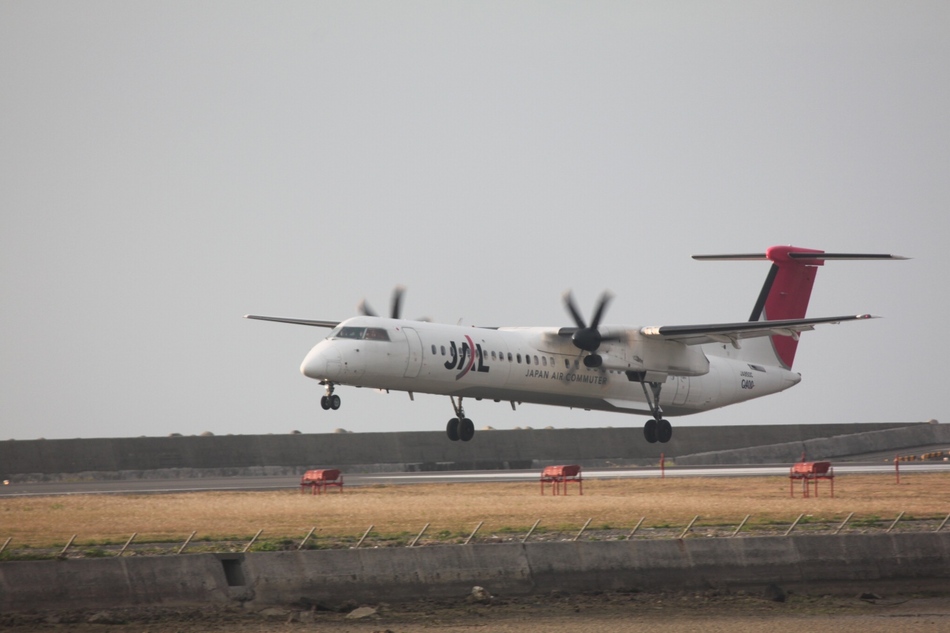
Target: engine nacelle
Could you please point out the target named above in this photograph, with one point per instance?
(640, 353)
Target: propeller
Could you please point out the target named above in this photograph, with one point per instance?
(395, 309)
(588, 337)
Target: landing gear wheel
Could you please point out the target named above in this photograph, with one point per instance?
(466, 429)
(649, 431)
(657, 428)
(460, 427)
(452, 429)
(329, 401)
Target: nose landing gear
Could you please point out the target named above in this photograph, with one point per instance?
(331, 400)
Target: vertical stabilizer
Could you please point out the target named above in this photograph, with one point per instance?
(787, 288)
(786, 294)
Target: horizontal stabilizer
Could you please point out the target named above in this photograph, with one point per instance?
(804, 255)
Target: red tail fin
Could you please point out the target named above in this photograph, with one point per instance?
(788, 286)
(786, 292)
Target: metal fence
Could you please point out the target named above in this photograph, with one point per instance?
(370, 538)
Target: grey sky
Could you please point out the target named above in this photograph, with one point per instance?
(166, 167)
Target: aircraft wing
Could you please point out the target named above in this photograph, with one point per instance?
(734, 332)
(328, 324)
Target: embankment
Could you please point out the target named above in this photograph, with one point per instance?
(332, 577)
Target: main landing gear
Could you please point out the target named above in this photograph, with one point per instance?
(657, 429)
(459, 427)
(331, 400)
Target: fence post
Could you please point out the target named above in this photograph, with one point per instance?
(792, 526)
(635, 528)
(4, 546)
(940, 527)
(888, 531)
(127, 543)
(187, 540)
(63, 553)
(740, 525)
(843, 523)
(472, 535)
(306, 538)
(683, 535)
(531, 531)
(363, 538)
(419, 536)
(583, 528)
(248, 546)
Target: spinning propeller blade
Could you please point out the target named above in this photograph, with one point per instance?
(587, 338)
(395, 310)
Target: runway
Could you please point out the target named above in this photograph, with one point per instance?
(263, 483)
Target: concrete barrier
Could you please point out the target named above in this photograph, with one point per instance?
(407, 451)
(333, 577)
(110, 582)
(827, 448)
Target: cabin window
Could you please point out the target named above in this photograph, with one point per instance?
(519, 358)
(544, 361)
(433, 350)
(509, 357)
(493, 355)
(442, 347)
(536, 361)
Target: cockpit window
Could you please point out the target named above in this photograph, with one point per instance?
(361, 333)
(376, 334)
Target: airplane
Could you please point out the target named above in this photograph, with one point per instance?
(657, 371)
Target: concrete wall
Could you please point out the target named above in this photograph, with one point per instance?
(110, 582)
(827, 448)
(332, 577)
(412, 451)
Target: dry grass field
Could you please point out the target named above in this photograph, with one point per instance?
(508, 510)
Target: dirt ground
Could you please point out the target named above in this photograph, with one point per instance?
(711, 612)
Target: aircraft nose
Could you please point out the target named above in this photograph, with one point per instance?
(319, 362)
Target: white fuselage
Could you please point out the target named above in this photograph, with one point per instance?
(535, 365)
